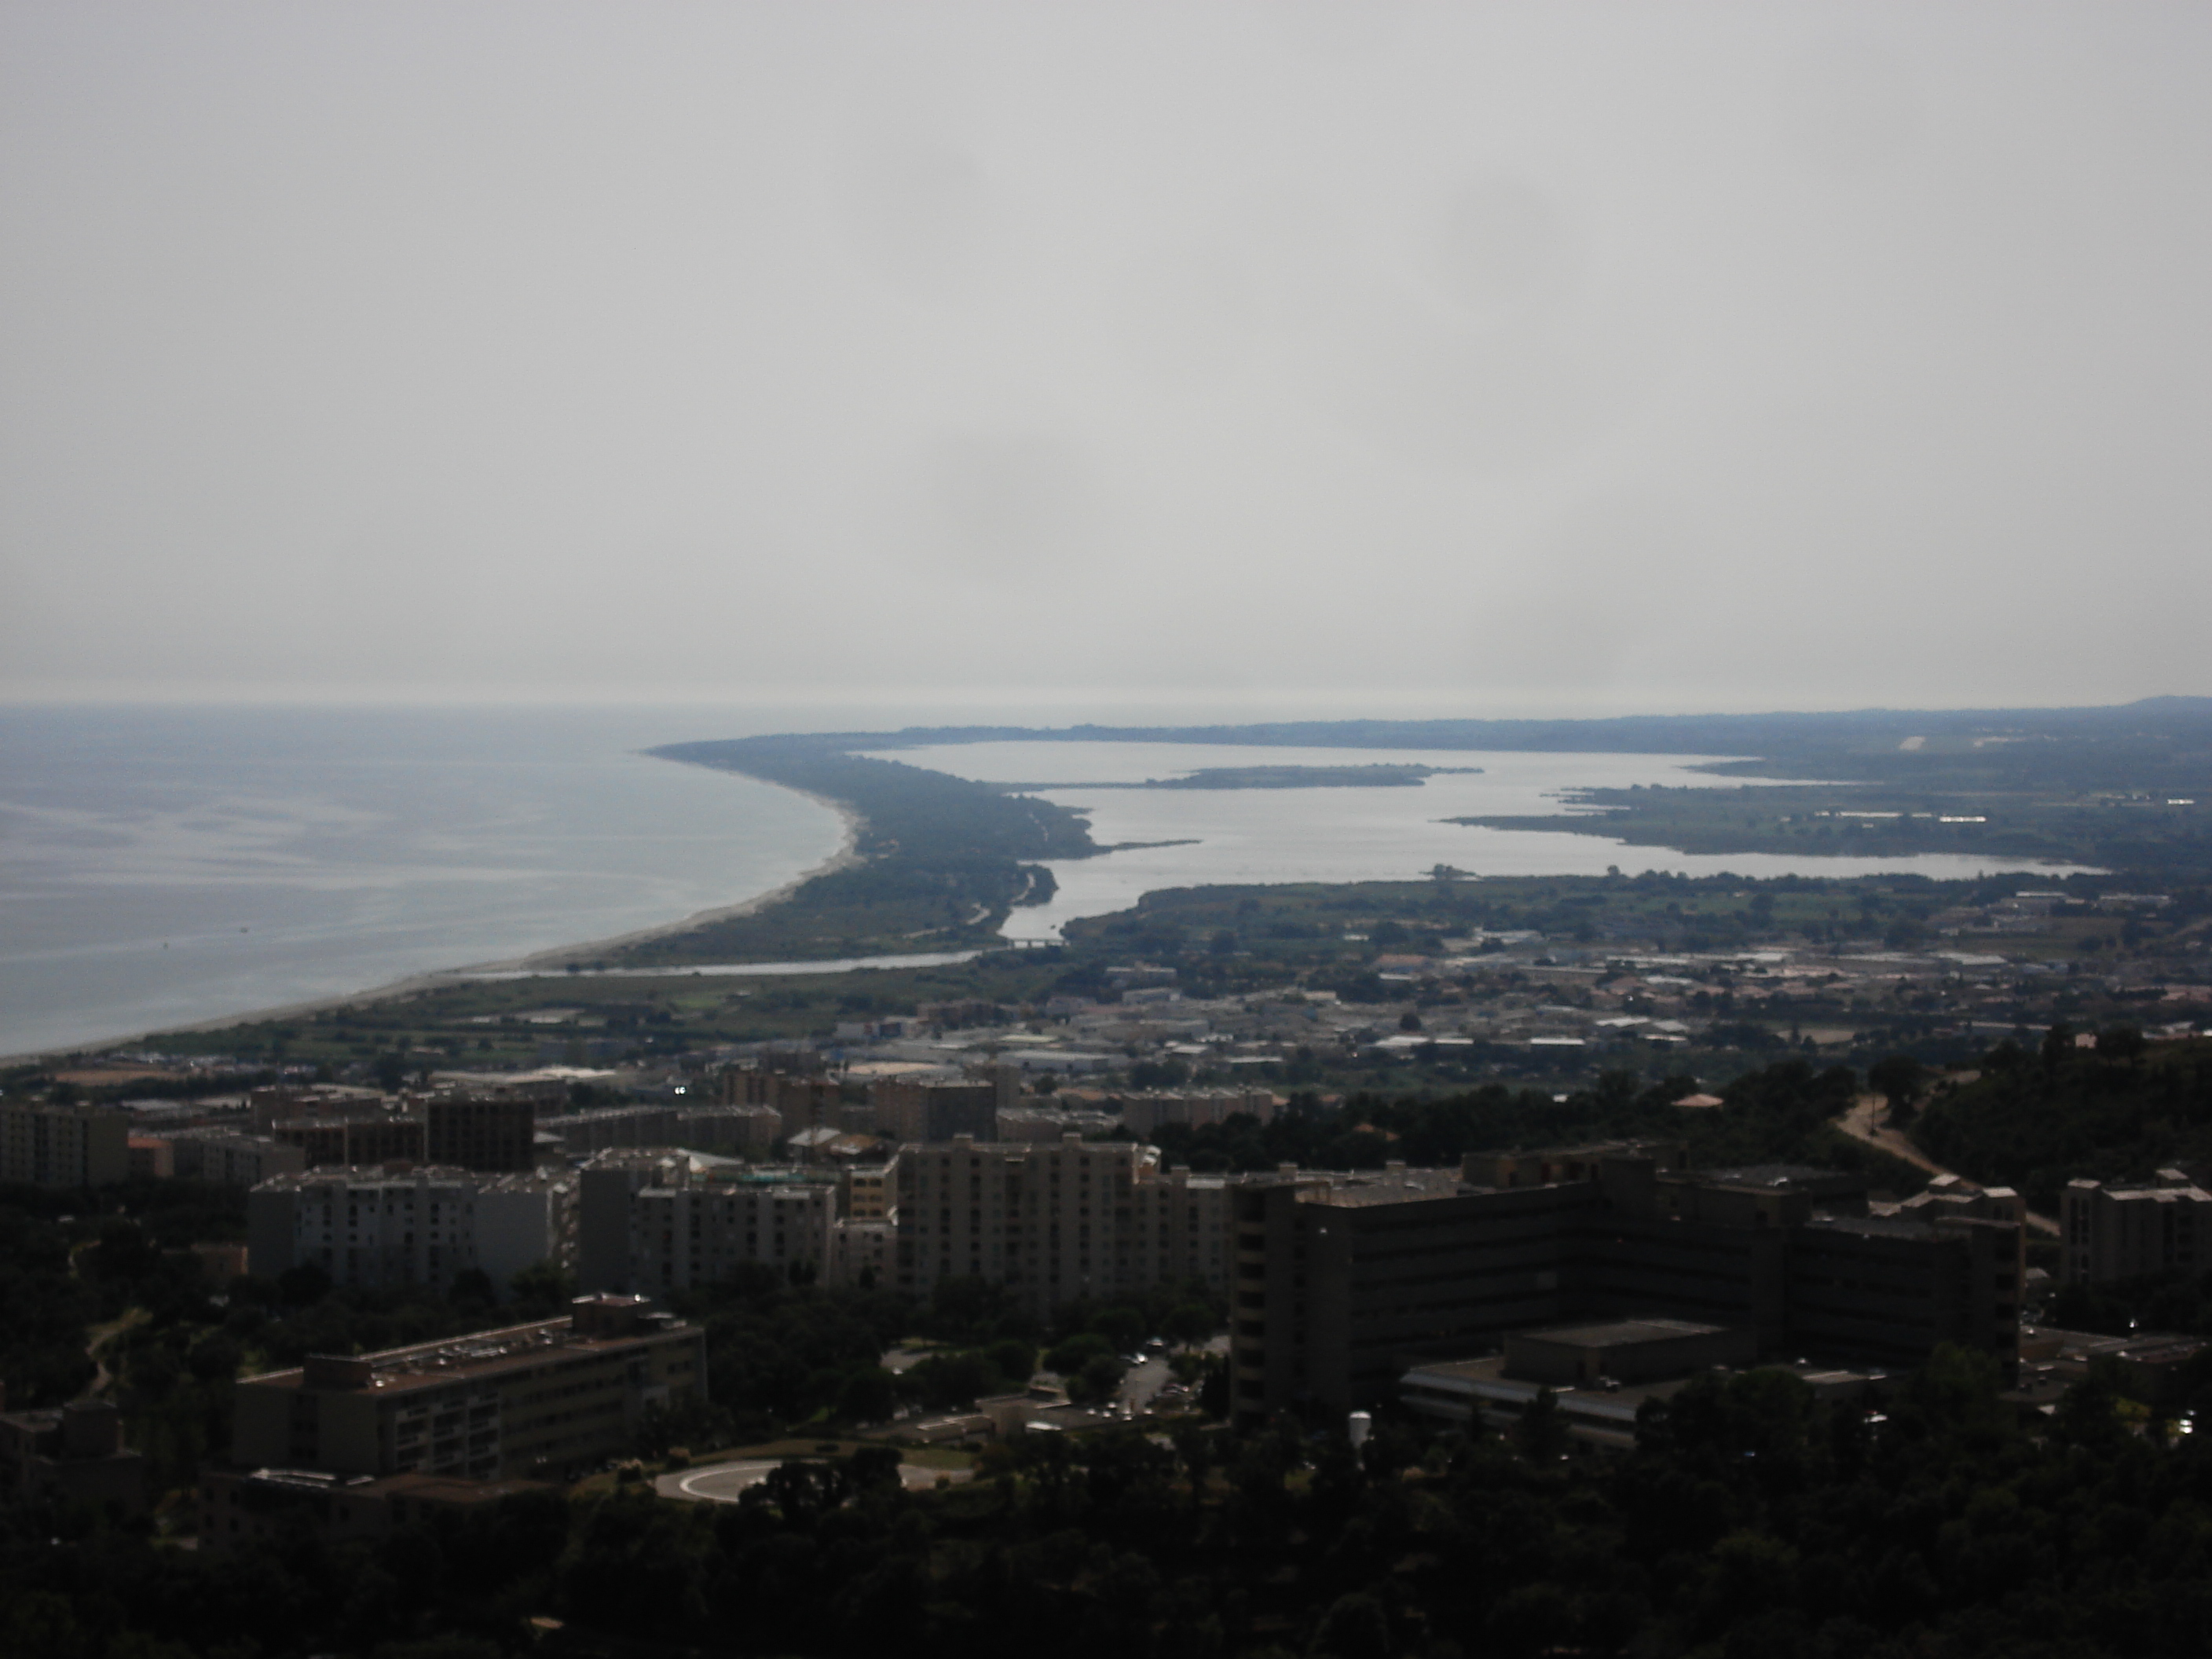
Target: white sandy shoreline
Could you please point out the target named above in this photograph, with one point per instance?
(555, 960)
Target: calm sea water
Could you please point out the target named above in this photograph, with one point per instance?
(1352, 834)
(159, 867)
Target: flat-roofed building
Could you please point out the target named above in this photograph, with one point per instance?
(907, 1111)
(480, 1132)
(225, 1158)
(1344, 1281)
(2126, 1230)
(242, 1509)
(656, 1221)
(48, 1146)
(349, 1142)
(414, 1226)
(546, 1400)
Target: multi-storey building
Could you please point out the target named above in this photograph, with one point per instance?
(749, 1131)
(2124, 1230)
(660, 1220)
(43, 1145)
(1344, 1281)
(1143, 1113)
(914, 1112)
(1052, 1223)
(550, 1399)
(418, 1226)
(351, 1141)
(1056, 1222)
(480, 1132)
(229, 1159)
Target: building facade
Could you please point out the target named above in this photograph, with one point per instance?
(549, 1400)
(653, 1221)
(418, 1226)
(2124, 1230)
(43, 1146)
(1056, 1222)
(480, 1132)
(1344, 1282)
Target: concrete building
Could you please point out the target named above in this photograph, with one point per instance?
(480, 1132)
(1145, 1113)
(1344, 1282)
(745, 1131)
(229, 1159)
(1056, 1222)
(919, 1113)
(2124, 1230)
(353, 1140)
(549, 1400)
(418, 1226)
(43, 1145)
(651, 1222)
(73, 1452)
(242, 1509)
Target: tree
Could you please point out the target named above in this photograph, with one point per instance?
(1098, 1382)
(1542, 1433)
(1355, 1627)
(1899, 1078)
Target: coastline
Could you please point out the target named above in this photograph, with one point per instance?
(557, 959)
(553, 960)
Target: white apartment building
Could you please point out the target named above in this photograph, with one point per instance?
(656, 1221)
(420, 1227)
(2124, 1230)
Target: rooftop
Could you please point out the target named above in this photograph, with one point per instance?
(1621, 1332)
(480, 1354)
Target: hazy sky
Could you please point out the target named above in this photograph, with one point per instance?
(1452, 358)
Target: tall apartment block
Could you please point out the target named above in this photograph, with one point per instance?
(43, 1145)
(2124, 1230)
(420, 1226)
(656, 1221)
(1056, 1222)
(920, 1113)
(1343, 1282)
(480, 1132)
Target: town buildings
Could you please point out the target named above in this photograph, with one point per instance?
(652, 1221)
(1343, 1282)
(2122, 1230)
(73, 1452)
(1056, 1222)
(548, 1400)
(407, 1226)
(46, 1145)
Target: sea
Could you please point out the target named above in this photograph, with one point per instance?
(161, 867)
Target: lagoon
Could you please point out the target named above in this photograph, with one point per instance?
(1340, 835)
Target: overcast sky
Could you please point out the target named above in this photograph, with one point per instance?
(1377, 358)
